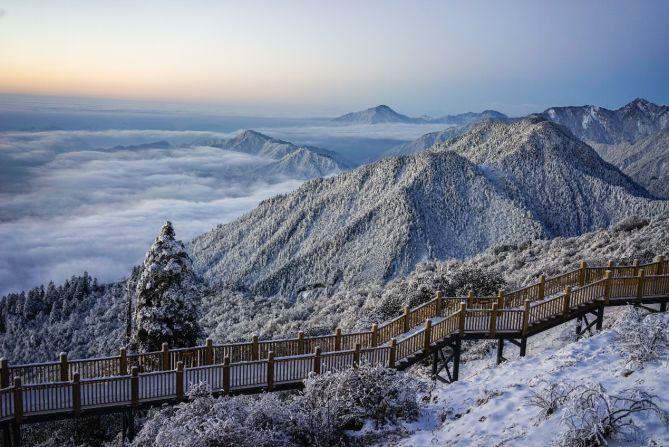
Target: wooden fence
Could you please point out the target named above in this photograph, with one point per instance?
(72, 386)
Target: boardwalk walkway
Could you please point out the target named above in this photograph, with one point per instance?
(70, 388)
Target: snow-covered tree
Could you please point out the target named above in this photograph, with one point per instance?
(165, 295)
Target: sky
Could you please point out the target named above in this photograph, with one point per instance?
(307, 58)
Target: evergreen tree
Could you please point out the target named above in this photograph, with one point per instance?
(165, 297)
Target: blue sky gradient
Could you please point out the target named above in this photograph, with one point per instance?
(299, 58)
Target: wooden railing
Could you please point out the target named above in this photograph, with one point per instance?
(70, 386)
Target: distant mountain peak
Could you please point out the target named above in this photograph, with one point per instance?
(384, 114)
(292, 160)
(376, 115)
(627, 124)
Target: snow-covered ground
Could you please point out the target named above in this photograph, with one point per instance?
(491, 405)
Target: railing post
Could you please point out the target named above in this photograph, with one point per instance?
(4, 373)
(427, 335)
(582, 272)
(407, 318)
(639, 287)
(226, 374)
(470, 299)
(493, 319)
(438, 305)
(375, 335)
(500, 299)
(270, 370)
(123, 362)
(18, 400)
(660, 264)
(255, 352)
(317, 360)
(300, 343)
(64, 367)
(134, 387)
(392, 355)
(208, 352)
(567, 298)
(356, 355)
(76, 394)
(463, 311)
(635, 264)
(337, 340)
(609, 265)
(165, 357)
(526, 318)
(607, 286)
(179, 385)
(542, 286)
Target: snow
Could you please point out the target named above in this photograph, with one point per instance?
(491, 405)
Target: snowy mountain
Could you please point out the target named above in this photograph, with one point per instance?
(634, 138)
(305, 163)
(425, 141)
(430, 139)
(469, 117)
(548, 168)
(499, 183)
(376, 115)
(627, 124)
(292, 160)
(646, 160)
(384, 114)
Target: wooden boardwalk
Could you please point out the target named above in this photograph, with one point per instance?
(71, 388)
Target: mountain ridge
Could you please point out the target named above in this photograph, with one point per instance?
(384, 114)
(378, 221)
(628, 123)
(291, 159)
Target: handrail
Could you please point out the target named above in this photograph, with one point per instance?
(166, 359)
(171, 384)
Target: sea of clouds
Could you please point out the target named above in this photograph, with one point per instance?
(93, 200)
(73, 201)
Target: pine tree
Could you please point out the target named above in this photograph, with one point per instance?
(165, 297)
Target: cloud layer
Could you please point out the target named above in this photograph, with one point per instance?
(66, 205)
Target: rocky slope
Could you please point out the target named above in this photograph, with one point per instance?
(499, 183)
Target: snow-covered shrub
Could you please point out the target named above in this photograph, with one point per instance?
(478, 349)
(429, 278)
(642, 338)
(630, 224)
(592, 416)
(320, 415)
(550, 397)
(350, 397)
(242, 421)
